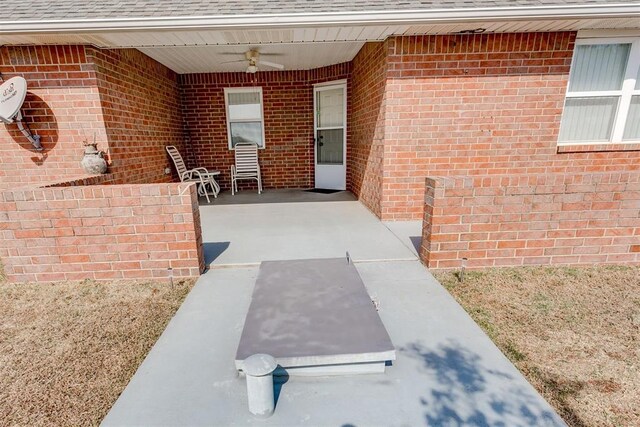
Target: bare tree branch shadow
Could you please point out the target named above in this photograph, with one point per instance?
(560, 390)
(468, 393)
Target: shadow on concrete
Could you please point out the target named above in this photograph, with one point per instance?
(268, 196)
(469, 393)
(278, 382)
(416, 241)
(212, 250)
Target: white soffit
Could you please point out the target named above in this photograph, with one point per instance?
(301, 47)
(207, 59)
(210, 37)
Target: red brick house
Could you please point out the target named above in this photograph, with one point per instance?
(514, 131)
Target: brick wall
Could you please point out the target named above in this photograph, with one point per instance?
(131, 104)
(466, 105)
(532, 219)
(140, 101)
(62, 106)
(287, 160)
(128, 101)
(366, 146)
(100, 232)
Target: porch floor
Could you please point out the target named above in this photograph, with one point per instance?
(293, 224)
(447, 372)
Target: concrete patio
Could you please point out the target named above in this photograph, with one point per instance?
(447, 371)
(293, 224)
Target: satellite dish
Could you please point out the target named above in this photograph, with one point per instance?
(12, 95)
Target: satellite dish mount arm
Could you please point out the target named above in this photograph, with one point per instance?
(24, 128)
(12, 96)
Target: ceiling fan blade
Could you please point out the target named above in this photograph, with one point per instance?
(232, 62)
(272, 64)
(271, 54)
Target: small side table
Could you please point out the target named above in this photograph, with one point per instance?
(210, 179)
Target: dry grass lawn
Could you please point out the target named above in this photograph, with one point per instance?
(67, 350)
(573, 332)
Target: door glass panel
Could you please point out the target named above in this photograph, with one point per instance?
(330, 108)
(329, 146)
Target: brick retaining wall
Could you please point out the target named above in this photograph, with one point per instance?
(100, 232)
(531, 219)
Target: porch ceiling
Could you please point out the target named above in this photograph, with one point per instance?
(206, 59)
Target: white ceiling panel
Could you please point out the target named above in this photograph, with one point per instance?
(296, 56)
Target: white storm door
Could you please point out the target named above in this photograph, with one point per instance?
(330, 132)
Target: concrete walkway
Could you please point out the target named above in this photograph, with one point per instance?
(447, 372)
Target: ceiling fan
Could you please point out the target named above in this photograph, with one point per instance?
(253, 56)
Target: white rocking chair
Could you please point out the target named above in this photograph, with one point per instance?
(203, 178)
(246, 167)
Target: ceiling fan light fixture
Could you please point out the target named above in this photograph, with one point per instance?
(251, 69)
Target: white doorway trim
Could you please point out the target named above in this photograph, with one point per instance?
(330, 176)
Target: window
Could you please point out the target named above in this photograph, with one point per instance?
(603, 97)
(244, 115)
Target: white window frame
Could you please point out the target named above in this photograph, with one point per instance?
(624, 94)
(229, 90)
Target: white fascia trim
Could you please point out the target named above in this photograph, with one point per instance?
(434, 16)
(626, 32)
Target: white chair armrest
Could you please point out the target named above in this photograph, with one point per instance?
(193, 174)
